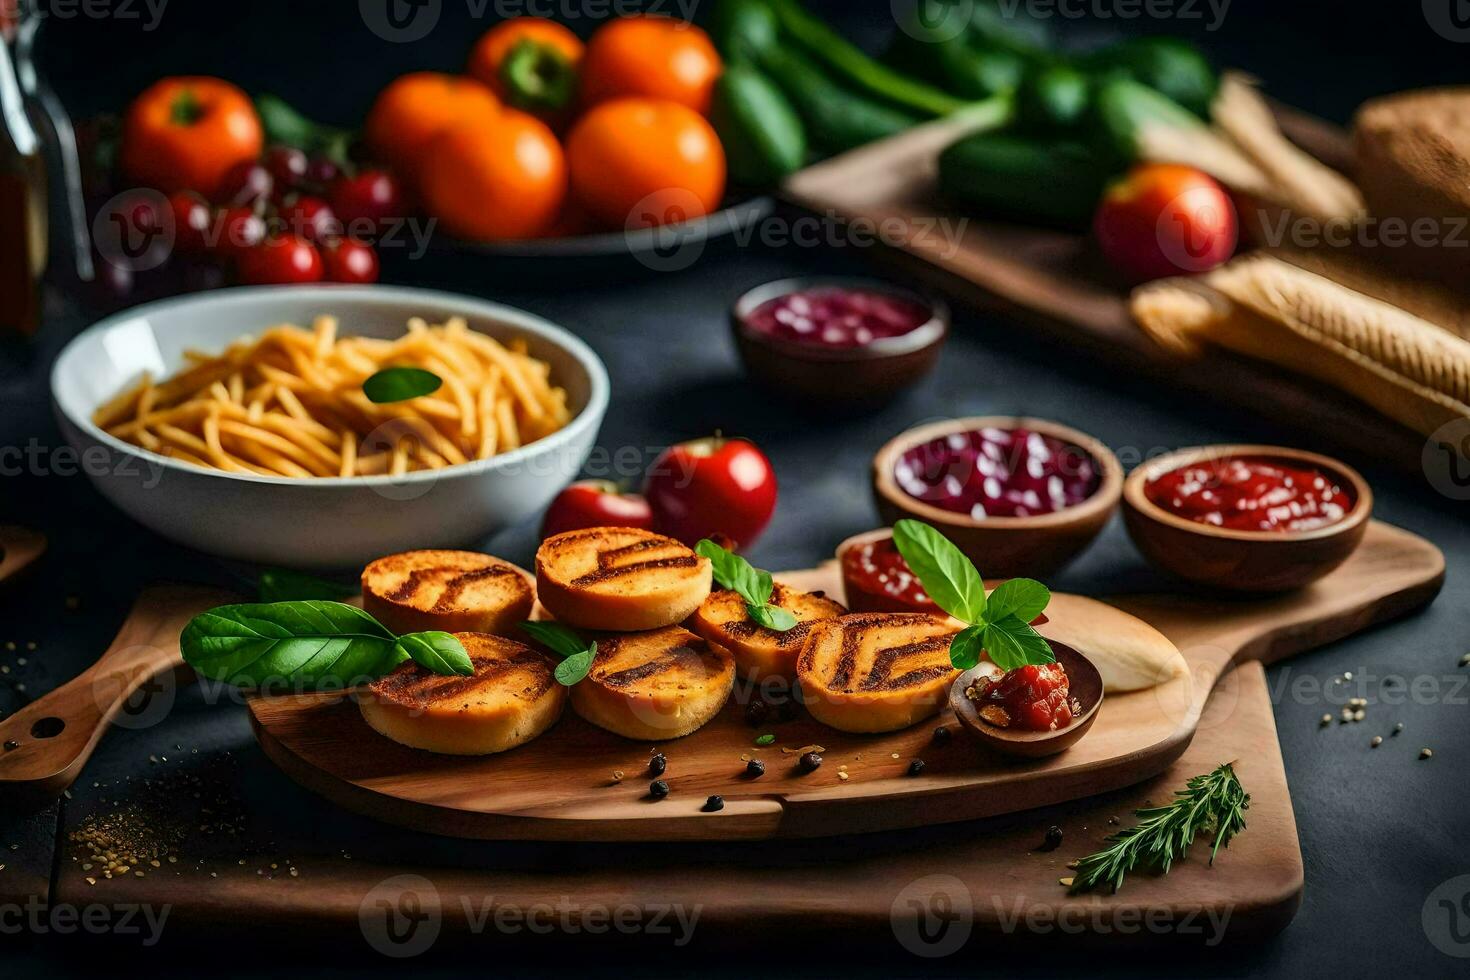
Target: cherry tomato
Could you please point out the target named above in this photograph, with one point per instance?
(349, 260)
(287, 165)
(595, 503)
(712, 486)
(311, 218)
(282, 260)
(1165, 219)
(657, 57)
(191, 222)
(246, 183)
(235, 230)
(364, 202)
(322, 171)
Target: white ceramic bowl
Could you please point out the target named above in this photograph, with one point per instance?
(317, 523)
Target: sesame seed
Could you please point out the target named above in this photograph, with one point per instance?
(1426, 753)
(1377, 741)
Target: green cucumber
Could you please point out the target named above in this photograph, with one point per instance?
(763, 135)
(1054, 98)
(1007, 176)
(836, 119)
(1169, 65)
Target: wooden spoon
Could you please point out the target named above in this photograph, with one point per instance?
(19, 546)
(44, 745)
(1086, 686)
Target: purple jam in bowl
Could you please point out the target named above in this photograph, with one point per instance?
(998, 473)
(835, 316)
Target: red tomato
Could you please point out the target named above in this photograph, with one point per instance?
(712, 486)
(595, 503)
(349, 260)
(246, 183)
(287, 165)
(1165, 219)
(366, 201)
(311, 218)
(281, 261)
(191, 222)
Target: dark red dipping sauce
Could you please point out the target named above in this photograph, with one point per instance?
(1251, 493)
(998, 473)
(878, 571)
(833, 316)
(1036, 698)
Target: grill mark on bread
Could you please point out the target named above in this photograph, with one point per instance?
(415, 687)
(883, 663)
(628, 676)
(453, 587)
(746, 628)
(607, 574)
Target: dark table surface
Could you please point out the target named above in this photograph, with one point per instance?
(1379, 831)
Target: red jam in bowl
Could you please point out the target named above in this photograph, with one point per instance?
(878, 571)
(833, 316)
(998, 473)
(1252, 493)
(1036, 698)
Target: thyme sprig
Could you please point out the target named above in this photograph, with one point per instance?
(1214, 802)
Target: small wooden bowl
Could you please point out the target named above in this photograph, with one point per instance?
(1243, 561)
(839, 378)
(860, 599)
(1004, 547)
(1086, 686)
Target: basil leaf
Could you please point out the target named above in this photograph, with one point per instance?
(1024, 598)
(574, 668)
(966, 647)
(762, 586)
(947, 575)
(727, 566)
(284, 585)
(440, 652)
(311, 643)
(1013, 643)
(771, 617)
(562, 641)
(576, 653)
(397, 384)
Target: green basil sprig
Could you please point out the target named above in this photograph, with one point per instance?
(752, 584)
(576, 653)
(312, 644)
(999, 624)
(399, 384)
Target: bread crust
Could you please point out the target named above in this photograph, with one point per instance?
(620, 579)
(512, 698)
(453, 591)
(759, 652)
(653, 686)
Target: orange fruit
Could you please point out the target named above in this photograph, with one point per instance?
(504, 179)
(530, 63)
(642, 162)
(658, 57)
(415, 108)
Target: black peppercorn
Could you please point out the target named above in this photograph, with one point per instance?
(1053, 839)
(657, 764)
(11, 745)
(755, 768)
(942, 735)
(810, 762)
(756, 712)
(658, 789)
(916, 767)
(714, 804)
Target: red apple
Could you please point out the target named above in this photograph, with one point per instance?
(712, 486)
(595, 503)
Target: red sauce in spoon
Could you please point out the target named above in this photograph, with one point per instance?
(1251, 493)
(1036, 698)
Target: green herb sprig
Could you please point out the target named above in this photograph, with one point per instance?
(1213, 802)
(577, 654)
(312, 644)
(998, 624)
(399, 384)
(752, 584)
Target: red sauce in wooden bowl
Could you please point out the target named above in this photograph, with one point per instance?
(1252, 493)
(834, 316)
(998, 473)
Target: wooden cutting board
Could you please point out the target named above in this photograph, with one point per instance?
(562, 785)
(1056, 283)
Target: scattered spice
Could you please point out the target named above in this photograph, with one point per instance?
(617, 775)
(1066, 882)
(658, 789)
(765, 739)
(657, 764)
(803, 750)
(810, 762)
(756, 713)
(1326, 720)
(1465, 660)
(1377, 741)
(916, 767)
(1052, 840)
(714, 804)
(942, 735)
(1397, 728)
(843, 776)
(755, 768)
(1426, 753)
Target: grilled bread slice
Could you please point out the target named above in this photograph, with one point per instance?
(512, 697)
(760, 652)
(453, 591)
(620, 579)
(877, 672)
(656, 685)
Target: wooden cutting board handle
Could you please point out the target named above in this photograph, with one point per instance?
(44, 746)
(19, 546)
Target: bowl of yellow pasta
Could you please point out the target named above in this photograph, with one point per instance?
(323, 427)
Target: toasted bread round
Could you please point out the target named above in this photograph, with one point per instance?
(620, 579)
(655, 685)
(876, 672)
(512, 697)
(760, 652)
(453, 591)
